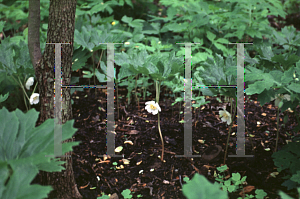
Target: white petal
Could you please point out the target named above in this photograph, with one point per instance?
(149, 102)
(221, 113)
(29, 83)
(155, 112)
(223, 119)
(148, 108)
(229, 121)
(157, 107)
(34, 98)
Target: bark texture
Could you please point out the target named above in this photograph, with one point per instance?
(34, 31)
(61, 28)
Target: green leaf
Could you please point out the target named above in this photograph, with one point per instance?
(138, 37)
(79, 59)
(83, 38)
(220, 47)
(18, 185)
(129, 3)
(172, 65)
(200, 187)
(6, 57)
(23, 143)
(222, 40)
(294, 87)
(236, 176)
(210, 36)
(2, 23)
(24, 147)
(176, 27)
(135, 23)
(259, 86)
(267, 52)
(126, 19)
(3, 97)
(99, 7)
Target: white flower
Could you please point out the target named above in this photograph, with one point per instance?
(34, 98)
(29, 82)
(225, 116)
(152, 107)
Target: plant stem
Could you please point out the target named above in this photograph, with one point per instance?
(233, 116)
(20, 85)
(179, 109)
(25, 102)
(136, 97)
(94, 74)
(172, 109)
(159, 130)
(117, 98)
(250, 138)
(277, 130)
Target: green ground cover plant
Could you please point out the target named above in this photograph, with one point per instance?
(24, 147)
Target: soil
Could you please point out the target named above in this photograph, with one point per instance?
(146, 175)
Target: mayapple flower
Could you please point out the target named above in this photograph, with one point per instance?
(29, 82)
(34, 98)
(152, 107)
(225, 116)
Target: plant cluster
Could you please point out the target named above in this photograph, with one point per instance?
(199, 187)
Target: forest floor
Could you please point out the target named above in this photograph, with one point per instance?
(145, 174)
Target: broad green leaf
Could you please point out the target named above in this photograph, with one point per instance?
(177, 27)
(6, 57)
(129, 3)
(222, 40)
(18, 185)
(210, 36)
(200, 187)
(294, 87)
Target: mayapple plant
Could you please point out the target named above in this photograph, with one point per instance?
(226, 117)
(153, 108)
(160, 66)
(15, 62)
(217, 72)
(162, 69)
(279, 103)
(34, 98)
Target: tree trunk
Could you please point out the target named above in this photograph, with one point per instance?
(34, 31)
(61, 28)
